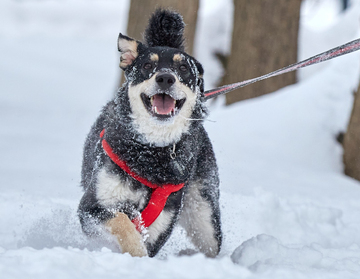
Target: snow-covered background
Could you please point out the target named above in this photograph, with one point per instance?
(288, 211)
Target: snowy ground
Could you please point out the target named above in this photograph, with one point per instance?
(287, 209)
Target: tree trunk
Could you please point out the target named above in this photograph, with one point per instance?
(265, 38)
(141, 10)
(352, 141)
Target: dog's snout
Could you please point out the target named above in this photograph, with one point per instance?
(165, 81)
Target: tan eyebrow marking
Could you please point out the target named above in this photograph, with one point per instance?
(154, 57)
(177, 57)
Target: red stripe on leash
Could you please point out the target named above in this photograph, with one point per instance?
(327, 55)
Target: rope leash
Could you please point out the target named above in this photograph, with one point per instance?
(327, 55)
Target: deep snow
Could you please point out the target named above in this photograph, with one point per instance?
(287, 209)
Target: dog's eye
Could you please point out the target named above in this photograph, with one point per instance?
(147, 66)
(183, 68)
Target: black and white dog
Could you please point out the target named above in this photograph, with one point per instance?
(148, 162)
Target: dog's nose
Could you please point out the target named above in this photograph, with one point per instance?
(165, 80)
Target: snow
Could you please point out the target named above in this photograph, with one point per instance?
(288, 210)
(266, 250)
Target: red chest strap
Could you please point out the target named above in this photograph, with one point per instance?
(158, 197)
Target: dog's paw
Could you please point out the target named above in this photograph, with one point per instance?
(129, 239)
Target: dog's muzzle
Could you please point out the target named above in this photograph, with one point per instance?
(163, 105)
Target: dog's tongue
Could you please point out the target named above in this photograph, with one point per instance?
(164, 103)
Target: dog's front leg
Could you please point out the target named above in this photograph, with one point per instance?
(130, 240)
(200, 217)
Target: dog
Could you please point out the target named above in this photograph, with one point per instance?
(148, 163)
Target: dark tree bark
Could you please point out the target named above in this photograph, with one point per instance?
(352, 141)
(265, 38)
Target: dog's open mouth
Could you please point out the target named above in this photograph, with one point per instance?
(162, 105)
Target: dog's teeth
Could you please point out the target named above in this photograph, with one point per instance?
(156, 111)
(152, 100)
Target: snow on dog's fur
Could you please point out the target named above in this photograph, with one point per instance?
(154, 125)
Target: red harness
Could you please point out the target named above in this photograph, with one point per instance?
(158, 197)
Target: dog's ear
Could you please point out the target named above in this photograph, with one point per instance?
(128, 48)
(165, 28)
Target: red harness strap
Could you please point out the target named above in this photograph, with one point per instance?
(158, 197)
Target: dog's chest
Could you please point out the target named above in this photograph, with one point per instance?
(159, 165)
(111, 190)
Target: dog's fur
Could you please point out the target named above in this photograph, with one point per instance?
(163, 145)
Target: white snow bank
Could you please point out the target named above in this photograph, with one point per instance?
(63, 18)
(75, 263)
(265, 253)
(267, 250)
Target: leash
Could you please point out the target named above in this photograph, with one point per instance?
(327, 55)
(158, 196)
(161, 192)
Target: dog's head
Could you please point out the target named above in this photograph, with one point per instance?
(165, 85)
